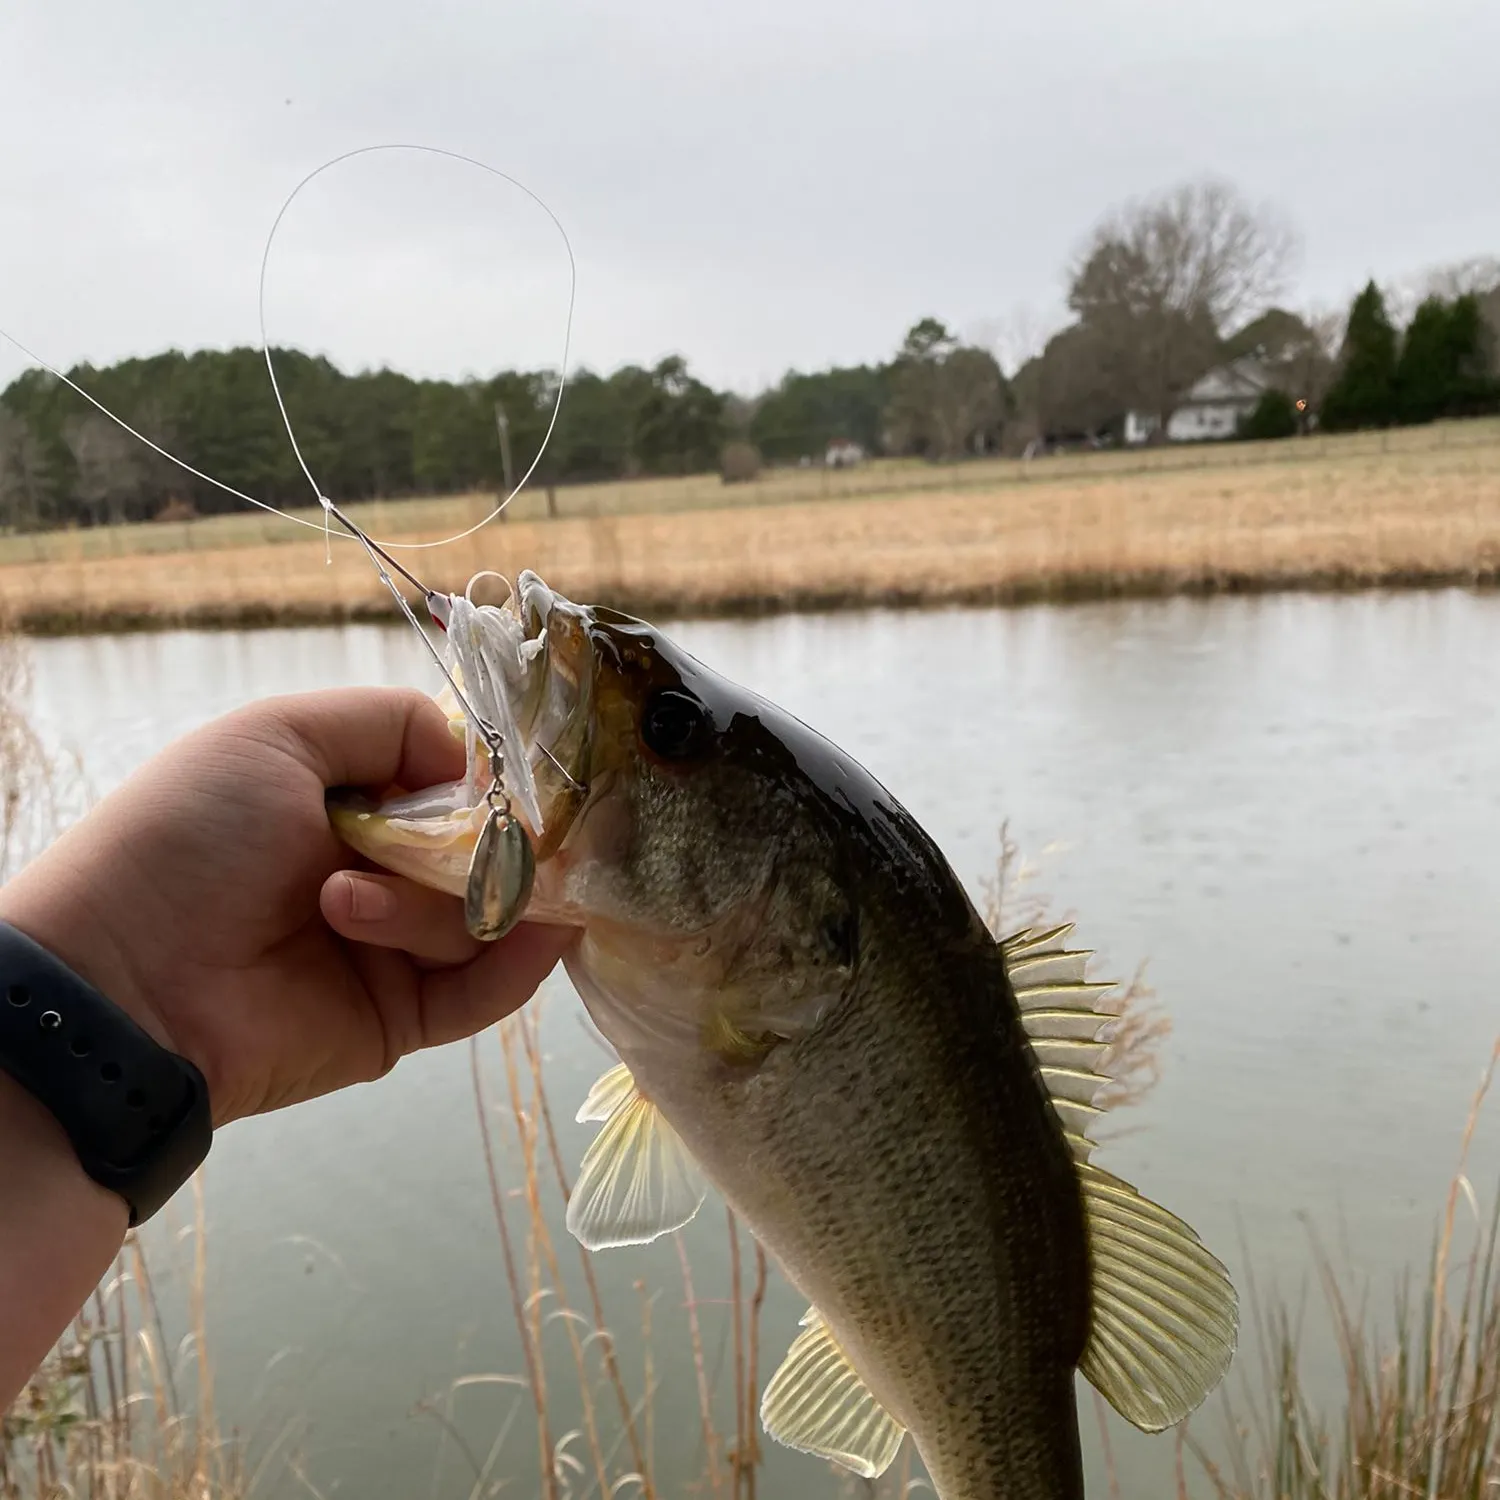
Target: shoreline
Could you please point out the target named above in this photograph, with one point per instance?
(1093, 588)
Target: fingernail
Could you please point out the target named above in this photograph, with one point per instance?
(369, 900)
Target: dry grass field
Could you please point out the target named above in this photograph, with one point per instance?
(1408, 507)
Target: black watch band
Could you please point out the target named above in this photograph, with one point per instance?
(137, 1115)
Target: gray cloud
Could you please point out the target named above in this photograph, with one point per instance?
(789, 183)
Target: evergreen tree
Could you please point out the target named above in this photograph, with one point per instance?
(1363, 391)
(1425, 372)
(1444, 366)
(1474, 386)
(1274, 417)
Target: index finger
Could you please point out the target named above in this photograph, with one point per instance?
(457, 1002)
(369, 736)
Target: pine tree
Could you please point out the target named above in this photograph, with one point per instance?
(1426, 370)
(1363, 391)
(1274, 417)
(1444, 366)
(1473, 387)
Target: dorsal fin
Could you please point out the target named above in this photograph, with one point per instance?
(1071, 1022)
(1163, 1312)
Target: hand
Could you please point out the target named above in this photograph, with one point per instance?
(210, 899)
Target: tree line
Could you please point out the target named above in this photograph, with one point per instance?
(1162, 292)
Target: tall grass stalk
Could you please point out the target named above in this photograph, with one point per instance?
(115, 1413)
(1419, 1417)
(618, 1458)
(600, 1335)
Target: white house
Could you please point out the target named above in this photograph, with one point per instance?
(843, 453)
(1212, 407)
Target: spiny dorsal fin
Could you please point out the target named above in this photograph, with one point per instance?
(637, 1181)
(818, 1404)
(1070, 1022)
(1165, 1314)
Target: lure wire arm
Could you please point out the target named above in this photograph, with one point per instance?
(383, 562)
(371, 545)
(562, 770)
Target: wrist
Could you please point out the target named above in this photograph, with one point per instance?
(73, 928)
(134, 1111)
(59, 1232)
(38, 1160)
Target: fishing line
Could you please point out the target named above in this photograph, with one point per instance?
(379, 553)
(265, 258)
(355, 532)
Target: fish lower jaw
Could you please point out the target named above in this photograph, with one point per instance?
(439, 861)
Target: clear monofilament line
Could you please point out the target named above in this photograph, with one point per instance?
(482, 727)
(322, 523)
(140, 437)
(378, 553)
(492, 736)
(562, 379)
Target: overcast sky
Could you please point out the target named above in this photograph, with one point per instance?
(770, 184)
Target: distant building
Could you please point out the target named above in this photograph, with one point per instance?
(1212, 407)
(843, 454)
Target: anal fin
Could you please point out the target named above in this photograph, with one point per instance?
(817, 1403)
(1165, 1314)
(638, 1181)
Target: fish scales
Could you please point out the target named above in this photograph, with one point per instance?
(812, 1019)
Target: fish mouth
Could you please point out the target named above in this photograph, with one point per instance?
(525, 670)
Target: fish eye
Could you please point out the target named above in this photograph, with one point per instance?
(674, 725)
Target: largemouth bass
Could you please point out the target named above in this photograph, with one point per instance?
(812, 1017)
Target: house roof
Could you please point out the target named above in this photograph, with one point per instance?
(1242, 379)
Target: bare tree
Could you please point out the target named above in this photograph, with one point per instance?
(1328, 325)
(26, 479)
(108, 461)
(1070, 390)
(1297, 353)
(1316, 362)
(1161, 280)
(1015, 338)
(1477, 276)
(1405, 294)
(1401, 299)
(947, 398)
(1489, 310)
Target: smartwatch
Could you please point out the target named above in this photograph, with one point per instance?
(137, 1115)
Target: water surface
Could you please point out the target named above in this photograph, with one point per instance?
(1290, 806)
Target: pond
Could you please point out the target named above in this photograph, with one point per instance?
(1288, 806)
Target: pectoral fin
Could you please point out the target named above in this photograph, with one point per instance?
(1164, 1311)
(637, 1181)
(610, 1092)
(818, 1404)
